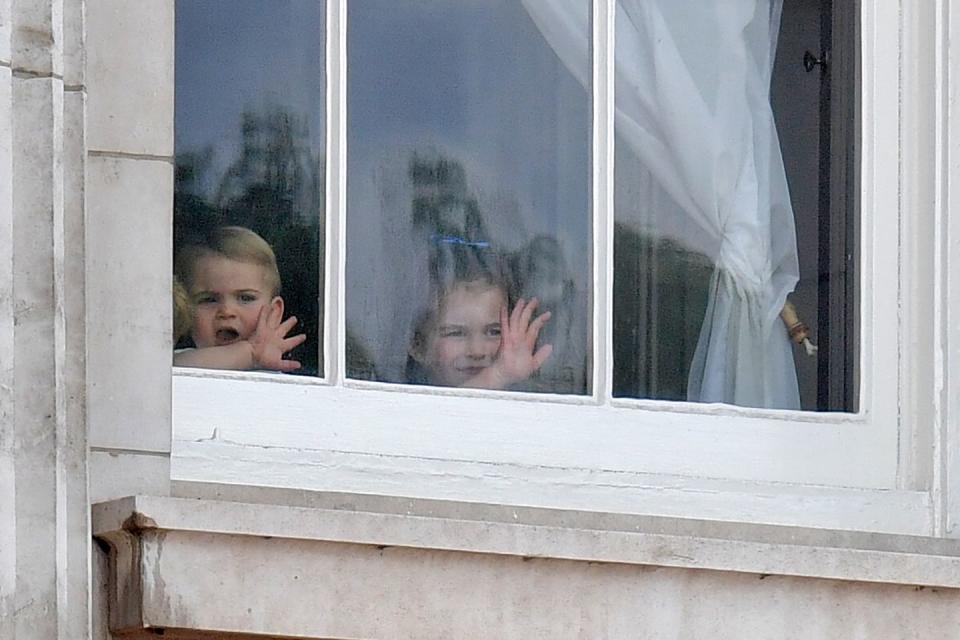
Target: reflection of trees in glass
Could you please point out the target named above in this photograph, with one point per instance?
(540, 269)
(450, 217)
(360, 363)
(274, 186)
(443, 210)
(659, 301)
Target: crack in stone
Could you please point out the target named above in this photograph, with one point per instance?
(29, 74)
(126, 155)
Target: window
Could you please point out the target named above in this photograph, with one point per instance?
(356, 416)
(460, 199)
(250, 136)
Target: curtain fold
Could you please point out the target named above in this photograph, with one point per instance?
(692, 104)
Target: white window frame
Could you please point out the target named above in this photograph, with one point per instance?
(864, 470)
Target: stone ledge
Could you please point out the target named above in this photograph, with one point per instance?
(298, 564)
(547, 533)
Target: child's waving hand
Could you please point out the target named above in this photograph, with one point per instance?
(269, 343)
(517, 359)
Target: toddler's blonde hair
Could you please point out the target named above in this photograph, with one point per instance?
(236, 243)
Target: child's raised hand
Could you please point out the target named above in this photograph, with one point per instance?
(269, 343)
(517, 359)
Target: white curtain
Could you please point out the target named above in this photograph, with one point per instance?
(692, 104)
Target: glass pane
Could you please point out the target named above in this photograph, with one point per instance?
(249, 199)
(723, 225)
(468, 193)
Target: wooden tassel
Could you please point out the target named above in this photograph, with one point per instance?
(798, 331)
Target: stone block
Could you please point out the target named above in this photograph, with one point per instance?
(37, 37)
(36, 130)
(71, 292)
(6, 248)
(73, 42)
(8, 535)
(130, 76)
(117, 474)
(72, 296)
(37, 200)
(129, 348)
(99, 569)
(72, 433)
(5, 20)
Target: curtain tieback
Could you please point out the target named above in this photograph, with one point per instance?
(798, 331)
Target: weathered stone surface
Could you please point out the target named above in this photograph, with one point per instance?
(130, 83)
(8, 522)
(409, 570)
(37, 202)
(37, 36)
(327, 590)
(115, 474)
(100, 594)
(129, 228)
(73, 43)
(5, 20)
(69, 243)
(44, 518)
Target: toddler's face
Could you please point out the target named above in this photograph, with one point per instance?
(466, 337)
(228, 295)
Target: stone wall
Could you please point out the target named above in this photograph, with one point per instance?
(44, 514)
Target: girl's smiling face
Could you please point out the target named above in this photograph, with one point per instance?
(465, 339)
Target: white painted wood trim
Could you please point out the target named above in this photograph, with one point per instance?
(880, 185)
(916, 257)
(602, 159)
(534, 431)
(334, 341)
(947, 315)
(221, 461)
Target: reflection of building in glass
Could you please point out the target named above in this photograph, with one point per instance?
(276, 156)
(659, 299)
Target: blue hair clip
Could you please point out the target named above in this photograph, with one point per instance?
(441, 239)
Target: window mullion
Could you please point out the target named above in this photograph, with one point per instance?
(336, 192)
(602, 176)
(946, 476)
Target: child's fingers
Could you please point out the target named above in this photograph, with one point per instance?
(293, 342)
(536, 326)
(533, 332)
(289, 365)
(285, 327)
(542, 355)
(517, 311)
(528, 313)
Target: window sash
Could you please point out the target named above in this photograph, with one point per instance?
(596, 431)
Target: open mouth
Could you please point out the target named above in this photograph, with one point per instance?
(227, 336)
